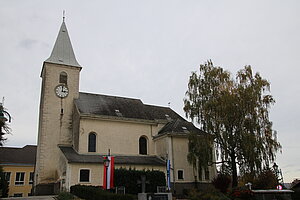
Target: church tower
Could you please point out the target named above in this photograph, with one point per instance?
(60, 86)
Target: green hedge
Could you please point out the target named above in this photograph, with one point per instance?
(65, 196)
(129, 178)
(97, 193)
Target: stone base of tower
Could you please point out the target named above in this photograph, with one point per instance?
(47, 189)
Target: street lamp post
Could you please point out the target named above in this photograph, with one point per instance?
(106, 163)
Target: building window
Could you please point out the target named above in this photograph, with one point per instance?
(143, 145)
(63, 78)
(206, 174)
(180, 174)
(92, 142)
(18, 194)
(31, 176)
(6, 176)
(84, 175)
(20, 178)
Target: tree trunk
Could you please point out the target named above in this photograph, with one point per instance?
(234, 171)
(1, 134)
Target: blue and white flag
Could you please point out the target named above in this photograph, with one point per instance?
(169, 175)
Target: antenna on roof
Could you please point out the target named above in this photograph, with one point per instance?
(169, 104)
(64, 13)
(3, 100)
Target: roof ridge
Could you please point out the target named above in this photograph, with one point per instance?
(11, 147)
(105, 95)
(157, 106)
(19, 148)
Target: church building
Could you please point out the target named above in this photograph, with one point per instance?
(76, 129)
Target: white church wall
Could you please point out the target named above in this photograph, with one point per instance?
(180, 151)
(96, 173)
(156, 128)
(161, 146)
(120, 137)
(176, 147)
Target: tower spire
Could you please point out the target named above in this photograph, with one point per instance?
(64, 15)
(62, 52)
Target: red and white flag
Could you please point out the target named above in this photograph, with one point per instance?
(108, 175)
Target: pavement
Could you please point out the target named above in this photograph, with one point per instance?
(30, 198)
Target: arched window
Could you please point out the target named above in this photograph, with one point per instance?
(63, 78)
(92, 142)
(143, 145)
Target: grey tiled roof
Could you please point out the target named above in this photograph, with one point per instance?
(181, 127)
(73, 157)
(12, 155)
(62, 52)
(97, 104)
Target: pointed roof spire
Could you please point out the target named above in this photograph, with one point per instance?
(62, 52)
(64, 15)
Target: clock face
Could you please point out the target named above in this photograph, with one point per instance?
(62, 91)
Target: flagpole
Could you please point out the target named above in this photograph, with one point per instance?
(106, 163)
(108, 174)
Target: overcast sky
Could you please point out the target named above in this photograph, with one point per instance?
(147, 49)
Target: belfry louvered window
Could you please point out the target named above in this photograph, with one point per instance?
(63, 78)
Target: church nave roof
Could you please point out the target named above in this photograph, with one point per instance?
(122, 107)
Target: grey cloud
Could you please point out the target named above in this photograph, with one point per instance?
(27, 43)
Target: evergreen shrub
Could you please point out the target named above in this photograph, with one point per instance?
(129, 179)
(65, 196)
(209, 194)
(97, 193)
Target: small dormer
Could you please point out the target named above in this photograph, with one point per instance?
(168, 117)
(118, 113)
